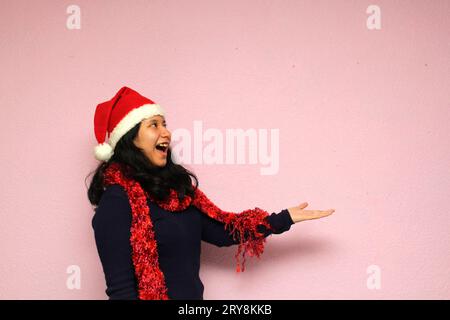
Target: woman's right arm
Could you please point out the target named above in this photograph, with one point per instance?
(112, 223)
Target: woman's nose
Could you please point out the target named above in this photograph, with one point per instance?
(166, 132)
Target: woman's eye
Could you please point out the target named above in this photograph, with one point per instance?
(165, 125)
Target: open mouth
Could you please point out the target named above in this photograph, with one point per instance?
(163, 147)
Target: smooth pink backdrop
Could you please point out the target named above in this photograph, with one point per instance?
(364, 128)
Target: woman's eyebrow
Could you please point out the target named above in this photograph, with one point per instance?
(164, 120)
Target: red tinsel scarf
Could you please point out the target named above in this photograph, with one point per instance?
(151, 284)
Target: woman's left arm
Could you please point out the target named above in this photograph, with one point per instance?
(214, 232)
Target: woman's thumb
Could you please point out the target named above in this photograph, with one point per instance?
(303, 205)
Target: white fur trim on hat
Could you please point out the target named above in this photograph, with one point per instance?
(131, 119)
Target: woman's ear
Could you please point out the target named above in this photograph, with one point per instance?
(136, 140)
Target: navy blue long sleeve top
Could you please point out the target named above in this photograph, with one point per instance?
(178, 237)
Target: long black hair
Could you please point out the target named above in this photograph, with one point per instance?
(157, 181)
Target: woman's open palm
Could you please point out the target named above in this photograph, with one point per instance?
(299, 214)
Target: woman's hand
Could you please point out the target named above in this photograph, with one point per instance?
(298, 214)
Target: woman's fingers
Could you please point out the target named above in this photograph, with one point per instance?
(329, 212)
(326, 212)
(317, 214)
(299, 214)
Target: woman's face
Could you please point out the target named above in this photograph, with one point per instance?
(153, 132)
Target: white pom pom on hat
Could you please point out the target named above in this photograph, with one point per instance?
(119, 115)
(103, 152)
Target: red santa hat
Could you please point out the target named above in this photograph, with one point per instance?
(117, 116)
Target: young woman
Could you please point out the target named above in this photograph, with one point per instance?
(150, 218)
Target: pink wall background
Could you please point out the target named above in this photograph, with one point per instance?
(363, 117)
